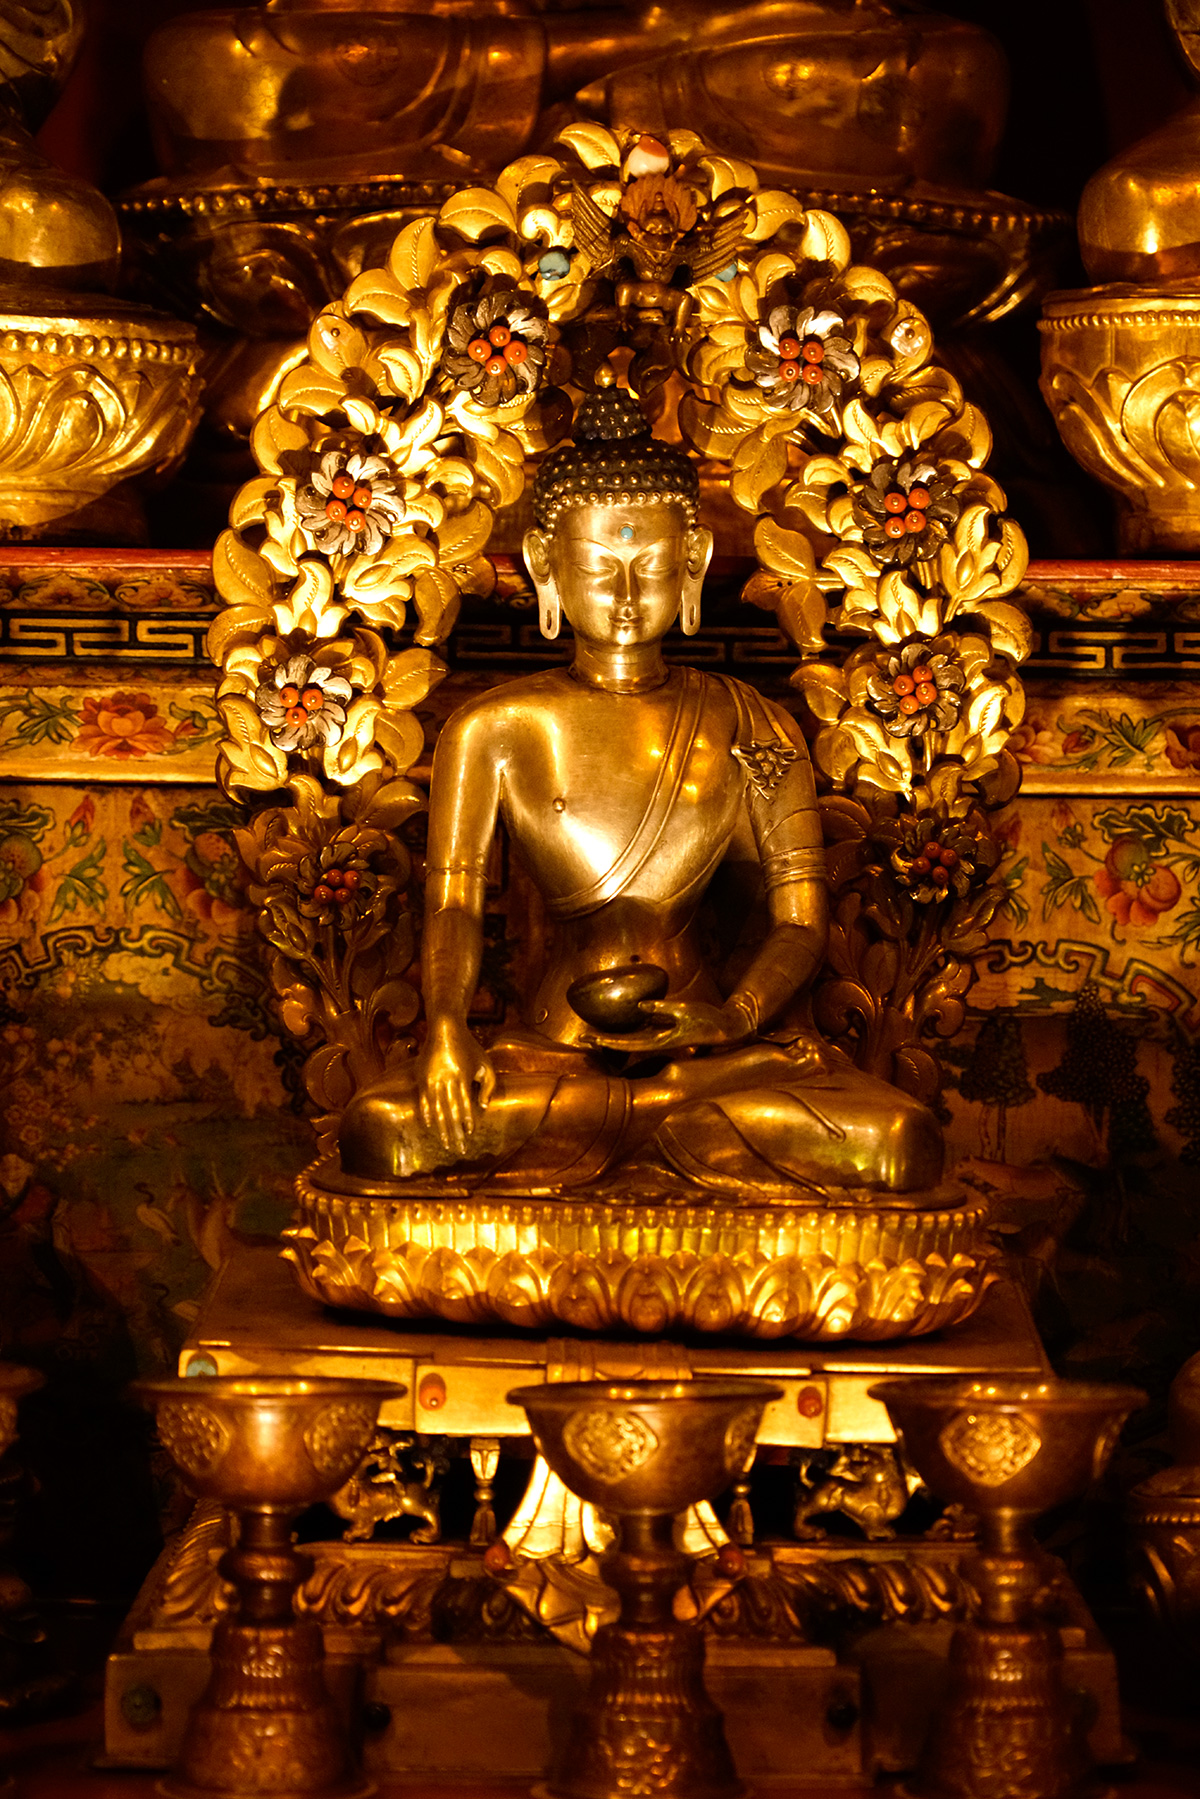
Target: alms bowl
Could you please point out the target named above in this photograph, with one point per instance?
(612, 999)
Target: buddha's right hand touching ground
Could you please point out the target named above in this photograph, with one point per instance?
(450, 1067)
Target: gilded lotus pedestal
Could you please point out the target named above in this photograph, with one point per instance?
(1120, 373)
(266, 1449)
(93, 392)
(643, 1452)
(873, 1267)
(1006, 1451)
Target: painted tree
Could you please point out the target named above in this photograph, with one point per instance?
(997, 1073)
(1098, 1071)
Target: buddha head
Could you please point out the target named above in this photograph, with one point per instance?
(617, 546)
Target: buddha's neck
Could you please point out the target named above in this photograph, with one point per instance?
(619, 668)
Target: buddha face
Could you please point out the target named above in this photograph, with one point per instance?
(621, 574)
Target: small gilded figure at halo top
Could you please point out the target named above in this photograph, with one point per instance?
(630, 787)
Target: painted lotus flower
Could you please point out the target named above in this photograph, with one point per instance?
(1183, 746)
(351, 503)
(804, 359)
(496, 348)
(124, 726)
(1034, 741)
(918, 689)
(1135, 888)
(302, 704)
(906, 509)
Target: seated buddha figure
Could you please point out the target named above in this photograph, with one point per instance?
(626, 785)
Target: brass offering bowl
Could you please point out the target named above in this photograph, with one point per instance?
(613, 999)
(1007, 1451)
(642, 1452)
(267, 1447)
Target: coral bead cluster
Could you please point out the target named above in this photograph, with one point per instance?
(803, 359)
(496, 349)
(350, 503)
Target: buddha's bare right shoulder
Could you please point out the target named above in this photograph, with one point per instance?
(504, 712)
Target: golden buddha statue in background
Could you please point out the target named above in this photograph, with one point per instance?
(55, 230)
(841, 91)
(1139, 217)
(627, 786)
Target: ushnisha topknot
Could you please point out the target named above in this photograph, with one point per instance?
(613, 461)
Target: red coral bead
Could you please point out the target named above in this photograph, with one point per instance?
(289, 695)
(926, 693)
(516, 352)
(354, 519)
(296, 715)
(333, 877)
(313, 698)
(335, 511)
(814, 350)
(495, 365)
(939, 876)
(895, 501)
(789, 346)
(910, 704)
(343, 486)
(499, 335)
(342, 895)
(948, 858)
(479, 349)
(351, 879)
(811, 374)
(903, 684)
(919, 497)
(894, 527)
(920, 865)
(922, 675)
(362, 497)
(933, 850)
(322, 895)
(789, 371)
(914, 522)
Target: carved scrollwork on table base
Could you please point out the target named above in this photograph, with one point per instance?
(870, 1271)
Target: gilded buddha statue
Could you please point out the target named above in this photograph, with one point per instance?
(627, 786)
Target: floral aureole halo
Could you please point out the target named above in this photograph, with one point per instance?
(936, 858)
(805, 360)
(496, 348)
(917, 689)
(350, 503)
(302, 704)
(906, 510)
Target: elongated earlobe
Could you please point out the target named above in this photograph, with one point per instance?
(689, 613)
(550, 612)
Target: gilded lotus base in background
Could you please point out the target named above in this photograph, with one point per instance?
(1120, 370)
(92, 392)
(869, 1269)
